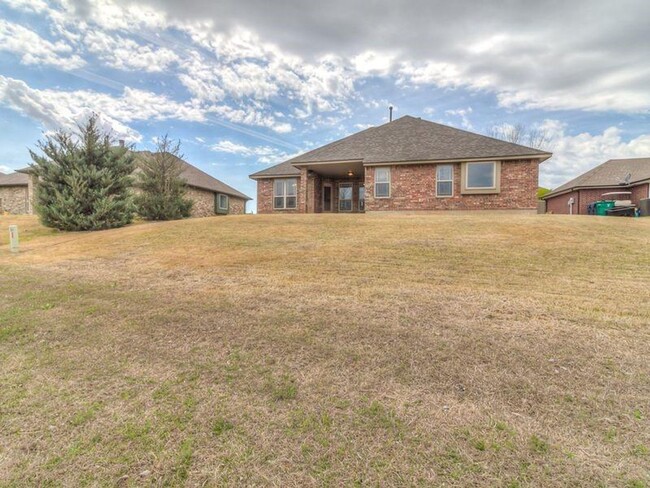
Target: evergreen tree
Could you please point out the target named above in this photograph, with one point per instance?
(162, 193)
(83, 183)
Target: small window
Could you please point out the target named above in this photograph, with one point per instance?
(285, 194)
(481, 175)
(444, 180)
(382, 182)
(223, 202)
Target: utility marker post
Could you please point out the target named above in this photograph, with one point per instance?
(13, 238)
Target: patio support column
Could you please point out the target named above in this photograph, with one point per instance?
(302, 192)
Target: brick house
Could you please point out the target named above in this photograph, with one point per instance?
(14, 194)
(629, 175)
(406, 164)
(210, 196)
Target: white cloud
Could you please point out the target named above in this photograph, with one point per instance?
(263, 154)
(126, 54)
(34, 50)
(5, 169)
(575, 154)
(463, 114)
(250, 116)
(372, 62)
(63, 109)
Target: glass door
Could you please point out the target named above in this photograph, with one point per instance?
(345, 197)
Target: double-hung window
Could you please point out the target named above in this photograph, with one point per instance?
(285, 193)
(382, 182)
(444, 180)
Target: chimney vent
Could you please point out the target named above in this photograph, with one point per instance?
(390, 113)
(121, 142)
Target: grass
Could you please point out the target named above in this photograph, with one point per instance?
(452, 349)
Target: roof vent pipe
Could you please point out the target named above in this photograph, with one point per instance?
(390, 113)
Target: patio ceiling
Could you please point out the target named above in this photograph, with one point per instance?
(336, 170)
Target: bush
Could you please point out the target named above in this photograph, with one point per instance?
(83, 181)
(162, 190)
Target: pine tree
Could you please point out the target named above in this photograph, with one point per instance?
(84, 183)
(162, 190)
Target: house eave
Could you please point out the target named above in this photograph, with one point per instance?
(266, 177)
(593, 187)
(541, 157)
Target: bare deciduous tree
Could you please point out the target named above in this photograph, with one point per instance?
(521, 134)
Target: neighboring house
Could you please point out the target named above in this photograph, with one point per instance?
(406, 164)
(210, 195)
(631, 175)
(14, 194)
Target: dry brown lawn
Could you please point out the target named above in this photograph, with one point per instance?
(447, 349)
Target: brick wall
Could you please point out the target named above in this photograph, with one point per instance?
(413, 187)
(236, 206)
(265, 197)
(203, 202)
(14, 199)
(558, 204)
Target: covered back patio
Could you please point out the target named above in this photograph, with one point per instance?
(336, 187)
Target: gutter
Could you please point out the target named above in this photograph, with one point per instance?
(593, 187)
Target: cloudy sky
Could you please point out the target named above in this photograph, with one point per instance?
(248, 83)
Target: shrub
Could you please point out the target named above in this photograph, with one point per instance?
(83, 181)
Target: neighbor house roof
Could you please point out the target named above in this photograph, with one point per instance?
(13, 179)
(610, 173)
(191, 174)
(199, 179)
(408, 139)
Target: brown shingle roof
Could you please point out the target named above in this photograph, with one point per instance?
(199, 179)
(191, 174)
(610, 173)
(282, 169)
(13, 179)
(408, 139)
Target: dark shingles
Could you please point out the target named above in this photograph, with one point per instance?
(199, 179)
(13, 179)
(610, 173)
(407, 139)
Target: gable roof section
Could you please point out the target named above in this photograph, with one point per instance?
(199, 179)
(610, 173)
(14, 179)
(282, 169)
(408, 139)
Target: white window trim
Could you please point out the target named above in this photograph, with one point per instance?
(494, 176)
(444, 181)
(347, 184)
(284, 195)
(227, 201)
(390, 185)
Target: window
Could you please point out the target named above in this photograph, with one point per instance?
(223, 202)
(285, 193)
(345, 197)
(481, 177)
(382, 182)
(444, 180)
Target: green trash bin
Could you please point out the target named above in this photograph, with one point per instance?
(603, 205)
